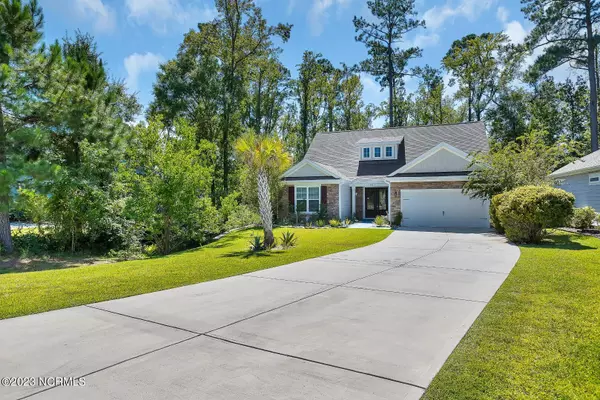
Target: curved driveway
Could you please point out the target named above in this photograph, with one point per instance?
(370, 323)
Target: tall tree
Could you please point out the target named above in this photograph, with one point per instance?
(388, 63)
(309, 89)
(566, 32)
(238, 37)
(479, 66)
(351, 114)
(27, 74)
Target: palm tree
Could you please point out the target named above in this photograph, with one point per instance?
(265, 156)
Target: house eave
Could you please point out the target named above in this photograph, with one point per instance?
(557, 175)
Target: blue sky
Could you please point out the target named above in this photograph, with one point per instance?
(136, 35)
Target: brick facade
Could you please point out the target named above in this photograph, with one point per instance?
(359, 203)
(396, 188)
(333, 201)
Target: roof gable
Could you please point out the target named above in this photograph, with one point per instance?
(308, 168)
(441, 158)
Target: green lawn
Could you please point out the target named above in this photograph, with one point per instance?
(539, 337)
(34, 292)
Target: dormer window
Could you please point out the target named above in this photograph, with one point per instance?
(377, 152)
(366, 152)
(389, 152)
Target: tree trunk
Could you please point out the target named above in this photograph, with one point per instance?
(264, 206)
(470, 102)
(592, 76)
(391, 87)
(259, 104)
(5, 233)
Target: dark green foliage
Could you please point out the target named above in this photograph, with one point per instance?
(257, 244)
(494, 204)
(398, 219)
(288, 239)
(583, 218)
(526, 212)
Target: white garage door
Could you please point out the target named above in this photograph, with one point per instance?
(443, 208)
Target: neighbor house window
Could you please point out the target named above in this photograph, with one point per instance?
(308, 199)
(594, 179)
(377, 152)
(389, 151)
(366, 152)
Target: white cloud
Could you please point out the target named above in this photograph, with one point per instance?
(423, 41)
(502, 14)
(372, 92)
(515, 31)
(471, 9)
(319, 13)
(136, 64)
(161, 15)
(102, 15)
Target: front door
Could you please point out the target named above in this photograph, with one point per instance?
(376, 200)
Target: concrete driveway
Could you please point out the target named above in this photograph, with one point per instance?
(370, 323)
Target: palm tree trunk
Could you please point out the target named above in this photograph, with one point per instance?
(264, 206)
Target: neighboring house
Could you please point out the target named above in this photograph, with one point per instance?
(417, 170)
(582, 178)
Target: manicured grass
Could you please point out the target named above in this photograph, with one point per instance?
(539, 337)
(34, 292)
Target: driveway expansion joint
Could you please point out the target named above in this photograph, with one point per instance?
(416, 294)
(314, 361)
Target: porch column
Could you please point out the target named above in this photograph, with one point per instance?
(389, 200)
(353, 196)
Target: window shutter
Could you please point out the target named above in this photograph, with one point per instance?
(291, 193)
(324, 194)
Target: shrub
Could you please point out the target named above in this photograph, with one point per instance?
(322, 214)
(335, 223)
(380, 220)
(527, 211)
(398, 219)
(496, 200)
(288, 239)
(320, 223)
(241, 217)
(257, 244)
(347, 222)
(583, 218)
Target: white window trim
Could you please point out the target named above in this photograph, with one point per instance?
(307, 199)
(596, 175)
(362, 153)
(380, 154)
(385, 152)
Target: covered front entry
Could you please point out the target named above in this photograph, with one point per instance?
(376, 202)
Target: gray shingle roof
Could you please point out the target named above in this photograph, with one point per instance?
(586, 163)
(340, 150)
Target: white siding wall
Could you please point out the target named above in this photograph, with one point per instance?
(345, 201)
(307, 170)
(585, 194)
(442, 161)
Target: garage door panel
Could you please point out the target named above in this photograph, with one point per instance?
(443, 208)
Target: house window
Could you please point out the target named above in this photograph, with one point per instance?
(308, 199)
(389, 151)
(377, 152)
(594, 179)
(366, 152)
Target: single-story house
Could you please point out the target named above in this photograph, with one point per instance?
(582, 178)
(419, 171)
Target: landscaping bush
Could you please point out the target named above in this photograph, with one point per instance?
(398, 219)
(257, 244)
(583, 218)
(320, 223)
(242, 216)
(380, 220)
(335, 223)
(496, 200)
(288, 239)
(527, 211)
